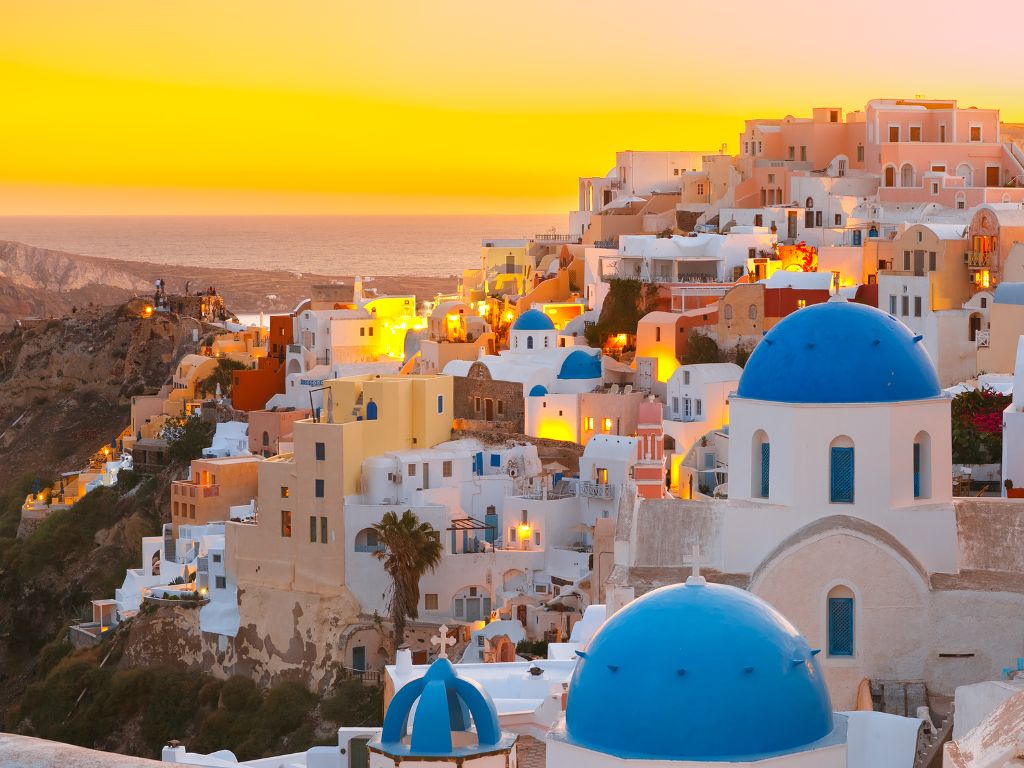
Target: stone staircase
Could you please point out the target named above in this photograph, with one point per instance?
(909, 698)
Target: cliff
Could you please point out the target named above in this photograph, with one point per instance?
(39, 282)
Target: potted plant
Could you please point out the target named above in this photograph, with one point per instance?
(1011, 492)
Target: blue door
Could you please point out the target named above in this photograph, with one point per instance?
(359, 658)
(841, 481)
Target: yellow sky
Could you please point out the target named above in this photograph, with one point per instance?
(446, 106)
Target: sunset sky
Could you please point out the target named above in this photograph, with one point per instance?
(447, 106)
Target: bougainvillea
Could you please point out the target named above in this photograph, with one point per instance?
(978, 426)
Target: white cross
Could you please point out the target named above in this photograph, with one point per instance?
(442, 640)
(695, 577)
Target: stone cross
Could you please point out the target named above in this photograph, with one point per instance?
(443, 641)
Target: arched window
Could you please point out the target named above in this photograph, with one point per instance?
(966, 173)
(760, 462)
(907, 175)
(890, 176)
(841, 466)
(529, 342)
(371, 411)
(922, 466)
(840, 618)
(810, 202)
(752, 312)
(368, 541)
(266, 439)
(728, 312)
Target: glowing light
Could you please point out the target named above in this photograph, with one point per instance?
(508, 317)
(524, 531)
(202, 591)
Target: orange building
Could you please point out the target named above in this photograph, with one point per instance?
(215, 486)
(252, 388)
(649, 470)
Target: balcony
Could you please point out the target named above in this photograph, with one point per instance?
(981, 338)
(977, 260)
(593, 490)
(191, 490)
(551, 237)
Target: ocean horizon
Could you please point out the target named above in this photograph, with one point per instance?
(329, 245)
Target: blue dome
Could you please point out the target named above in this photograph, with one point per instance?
(839, 352)
(539, 390)
(447, 704)
(701, 672)
(580, 365)
(533, 320)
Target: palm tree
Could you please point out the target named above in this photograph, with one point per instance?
(409, 549)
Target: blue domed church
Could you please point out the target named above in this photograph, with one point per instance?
(841, 514)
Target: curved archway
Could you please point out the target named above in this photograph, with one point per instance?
(965, 171)
(529, 342)
(368, 541)
(809, 202)
(371, 411)
(294, 366)
(471, 603)
(760, 465)
(907, 175)
(841, 470)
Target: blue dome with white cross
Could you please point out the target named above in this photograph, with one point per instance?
(442, 707)
(700, 672)
(839, 352)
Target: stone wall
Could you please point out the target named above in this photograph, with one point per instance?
(479, 384)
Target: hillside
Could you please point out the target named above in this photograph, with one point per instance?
(39, 282)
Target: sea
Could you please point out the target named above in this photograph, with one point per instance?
(327, 245)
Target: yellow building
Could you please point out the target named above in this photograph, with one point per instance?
(297, 542)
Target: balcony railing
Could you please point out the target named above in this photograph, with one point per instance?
(977, 260)
(551, 237)
(596, 490)
(981, 338)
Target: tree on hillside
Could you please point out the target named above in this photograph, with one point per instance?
(222, 375)
(627, 301)
(701, 348)
(410, 549)
(186, 437)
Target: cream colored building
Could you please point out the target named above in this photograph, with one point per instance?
(298, 541)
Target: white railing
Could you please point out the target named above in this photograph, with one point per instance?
(982, 338)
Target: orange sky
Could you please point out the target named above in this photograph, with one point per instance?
(446, 106)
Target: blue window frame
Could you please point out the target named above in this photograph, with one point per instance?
(841, 479)
(840, 626)
(495, 459)
(765, 469)
(440, 403)
(478, 463)
(371, 411)
(319, 488)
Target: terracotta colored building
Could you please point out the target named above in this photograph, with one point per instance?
(252, 388)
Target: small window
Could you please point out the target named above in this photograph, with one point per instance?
(430, 601)
(727, 313)
(931, 261)
(905, 306)
(318, 488)
(975, 133)
(803, 153)
(476, 404)
(500, 405)
(892, 305)
(286, 524)
(411, 470)
(984, 302)
(917, 306)
(216, 558)
(371, 330)
(323, 530)
(894, 133)
(841, 479)
(512, 535)
(536, 538)
(495, 459)
(839, 220)
(906, 260)
(840, 622)
(915, 133)
(801, 303)
(446, 469)
(285, 492)
(792, 153)
(321, 451)
(362, 331)
(657, 334)
(752, 312)
(440, 403)
(312, 529)
(686, 378)
(606, 425)
(697, 406)
(220, 582)
(860, 153)
(588, 423)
